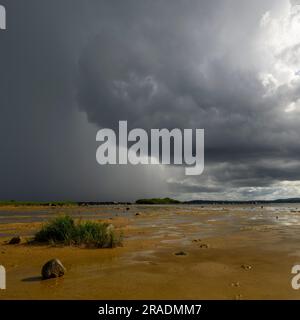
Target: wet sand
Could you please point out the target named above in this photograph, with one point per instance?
(230, 252)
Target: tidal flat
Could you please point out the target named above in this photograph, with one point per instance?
(168, 252)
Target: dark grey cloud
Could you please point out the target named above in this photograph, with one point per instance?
(187, 64)
(47, 147)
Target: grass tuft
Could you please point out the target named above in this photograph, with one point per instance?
(64, 230)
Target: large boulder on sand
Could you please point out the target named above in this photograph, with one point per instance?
(53, 269)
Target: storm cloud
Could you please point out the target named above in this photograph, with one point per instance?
(69, 68)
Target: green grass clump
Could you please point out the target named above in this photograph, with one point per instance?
(100, 235)
(64, 230)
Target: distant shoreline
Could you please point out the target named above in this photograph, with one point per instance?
(150, 201)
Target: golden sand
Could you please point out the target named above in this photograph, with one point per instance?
(222, 253)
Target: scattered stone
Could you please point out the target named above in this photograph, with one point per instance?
(15, 240)
(138, 214)
(127, 209)
(277, 217)
(235, 284)
(196, 240)
(204, 246)
(53, 269)
(180, 253)
(246, 267)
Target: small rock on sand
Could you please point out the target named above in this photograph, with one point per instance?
(138, 214)
(235, 284)
(246, 267)
(15, 240)
(180, 253)
(204, 246)
(53, 269)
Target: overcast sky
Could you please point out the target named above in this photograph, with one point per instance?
(71, 67)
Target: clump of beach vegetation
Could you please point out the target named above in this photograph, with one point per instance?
(64, 230)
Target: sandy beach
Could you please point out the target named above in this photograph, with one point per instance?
(168, 252)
